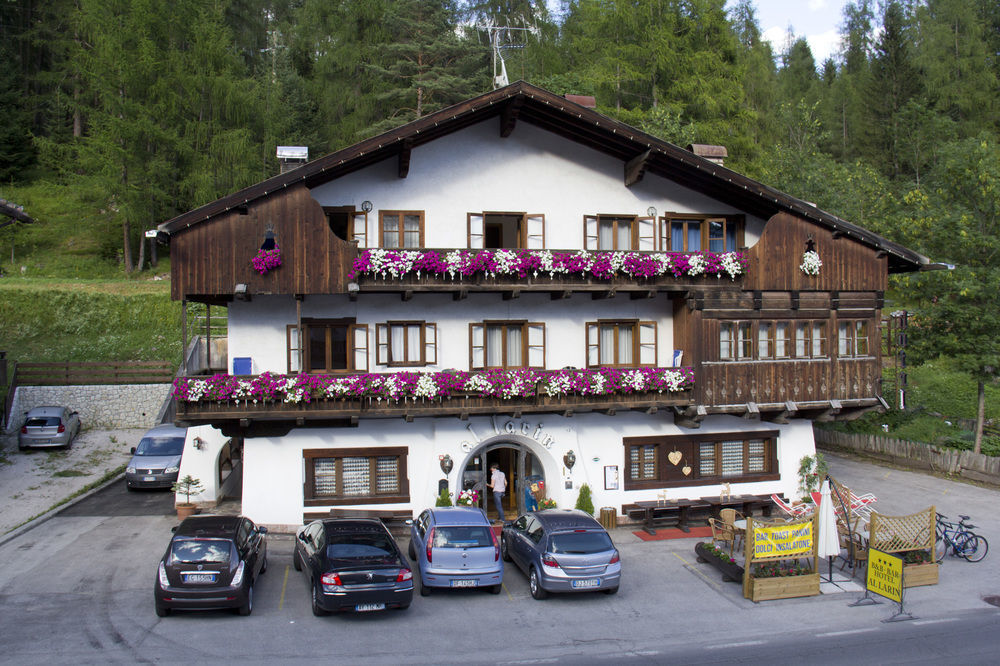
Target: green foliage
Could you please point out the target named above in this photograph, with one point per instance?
(187, 486)
(583, 500)
(812, 471)
(444, 498)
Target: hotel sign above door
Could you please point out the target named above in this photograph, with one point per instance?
(510, 427)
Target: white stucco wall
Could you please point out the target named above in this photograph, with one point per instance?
(531, 171)
(202, 447)
(274, 471)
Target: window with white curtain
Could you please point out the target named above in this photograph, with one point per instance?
(507, 344)
(401, 228)
(406, 343)
(346, 476)
(621, 343)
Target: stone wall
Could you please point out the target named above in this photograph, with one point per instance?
(100, 406)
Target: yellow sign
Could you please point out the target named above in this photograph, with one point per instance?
(783, 540)
(885, 575)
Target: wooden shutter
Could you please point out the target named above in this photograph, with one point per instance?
(477, 346)
(430, 344)
(358, 335)
(359, 228)
(536, 344)
(534, 236)
(294, 336)
(590, 238)
(593, 345)
(476, 226)
(647, 343)
(381, 344)
(647, 233)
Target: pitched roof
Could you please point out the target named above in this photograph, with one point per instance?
(522, 102)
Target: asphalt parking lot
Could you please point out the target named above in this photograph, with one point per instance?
(78, 588)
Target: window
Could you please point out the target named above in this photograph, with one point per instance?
(356, 476)
(692, 233)
(688, 460)
(621, 343)
(506, 230)
(771, 340)
(619, 232)
(735, 343)
(810, 339)
(348, 224)
(852, 339)
(401, 228)
(327, 346)
(506, 344)
(406, 343)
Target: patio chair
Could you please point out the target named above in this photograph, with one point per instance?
(858, 505)
(722, 533)
(729, 517)
(793, 510)
(853, 542)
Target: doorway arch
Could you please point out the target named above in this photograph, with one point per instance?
(522, 460)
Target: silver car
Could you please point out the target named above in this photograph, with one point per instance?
(562, 551)
(47, 427)
(157, 460)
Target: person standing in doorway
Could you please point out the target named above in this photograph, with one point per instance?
(498, 484)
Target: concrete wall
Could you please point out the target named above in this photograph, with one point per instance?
(100, 406)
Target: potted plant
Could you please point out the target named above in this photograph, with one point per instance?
(546, 503)
(467, 498)
(187, 486)
(781, 580)
(711, 554)
(919, 568)
(584, 502)
(444, 498)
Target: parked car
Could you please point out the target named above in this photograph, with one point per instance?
(455, 547)
(353, 564)
(562, 551)
(211, 562)
(47, 427)
(156, 461)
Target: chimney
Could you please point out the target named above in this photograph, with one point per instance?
(716, 154)
(586, 101)
(292, 157)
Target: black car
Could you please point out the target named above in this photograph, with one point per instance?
(211, 562)
(353, 564)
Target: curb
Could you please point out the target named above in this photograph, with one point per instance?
(48, 515)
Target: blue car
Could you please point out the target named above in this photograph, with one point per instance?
(455, 547)
(562, 551)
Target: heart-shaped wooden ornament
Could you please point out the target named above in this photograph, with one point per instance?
(674, 457)
(686, 469)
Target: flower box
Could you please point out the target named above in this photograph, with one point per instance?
(730, 570)
(782, 587)
(915, 575)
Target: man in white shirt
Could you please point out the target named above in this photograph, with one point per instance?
(498, 483)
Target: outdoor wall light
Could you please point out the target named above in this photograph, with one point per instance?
(241, 292)
(199, 443)
(569, 459)
(651, 211)
(353, 287)
(366, 206)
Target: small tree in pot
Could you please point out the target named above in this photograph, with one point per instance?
(187, 486)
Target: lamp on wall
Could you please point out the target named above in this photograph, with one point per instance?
(199, 443)
(241, 292)
(569, 459)
(366, 206)
(651, 211)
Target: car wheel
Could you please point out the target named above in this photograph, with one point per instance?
(495, 589)
(536, 588)
(611, 590)
(247, 608)
(162, 611)
(263, 567)
(425, 590)
(318, 611)
(296, 562)
(504, 553)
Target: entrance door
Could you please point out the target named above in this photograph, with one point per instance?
(518, 465)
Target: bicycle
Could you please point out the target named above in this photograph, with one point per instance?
(959, 539)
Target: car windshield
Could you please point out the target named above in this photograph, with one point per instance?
(42, 422)
(580, 543)
(367, 548)
(160, 446)
(200, 550)
(471, 536)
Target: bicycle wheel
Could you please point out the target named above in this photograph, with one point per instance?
(975, 548)
(940, 548)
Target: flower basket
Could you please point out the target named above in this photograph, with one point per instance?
(915, 575)
(709, 554)
(546, 503)
(783, 587)
(467, 498)
(267, 260)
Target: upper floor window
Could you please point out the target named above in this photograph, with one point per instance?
(401, 228)
(406, 343)
(810, 339)
(735, 343)
(506, 344)
(506, 230)
(621, 343)
(327, 346)
(619, 232)
(771, 340)
(693, 233)
(348, 224)
(852, 339)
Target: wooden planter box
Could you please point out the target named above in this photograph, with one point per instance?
(729, 571)
(784, 587)
(915, 575)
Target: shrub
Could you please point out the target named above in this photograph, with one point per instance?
(584, 502)
(444, 498)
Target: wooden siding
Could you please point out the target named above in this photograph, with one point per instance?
(847, 263)
(781, 381)
(209, 260)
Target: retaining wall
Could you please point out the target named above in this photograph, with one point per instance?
(915, 455)
(100, 406)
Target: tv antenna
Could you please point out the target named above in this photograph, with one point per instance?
(503, 38)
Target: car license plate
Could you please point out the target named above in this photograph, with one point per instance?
(199, 578)
(361, 608)
(589, 582)
(149, 478)
(465, 582)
